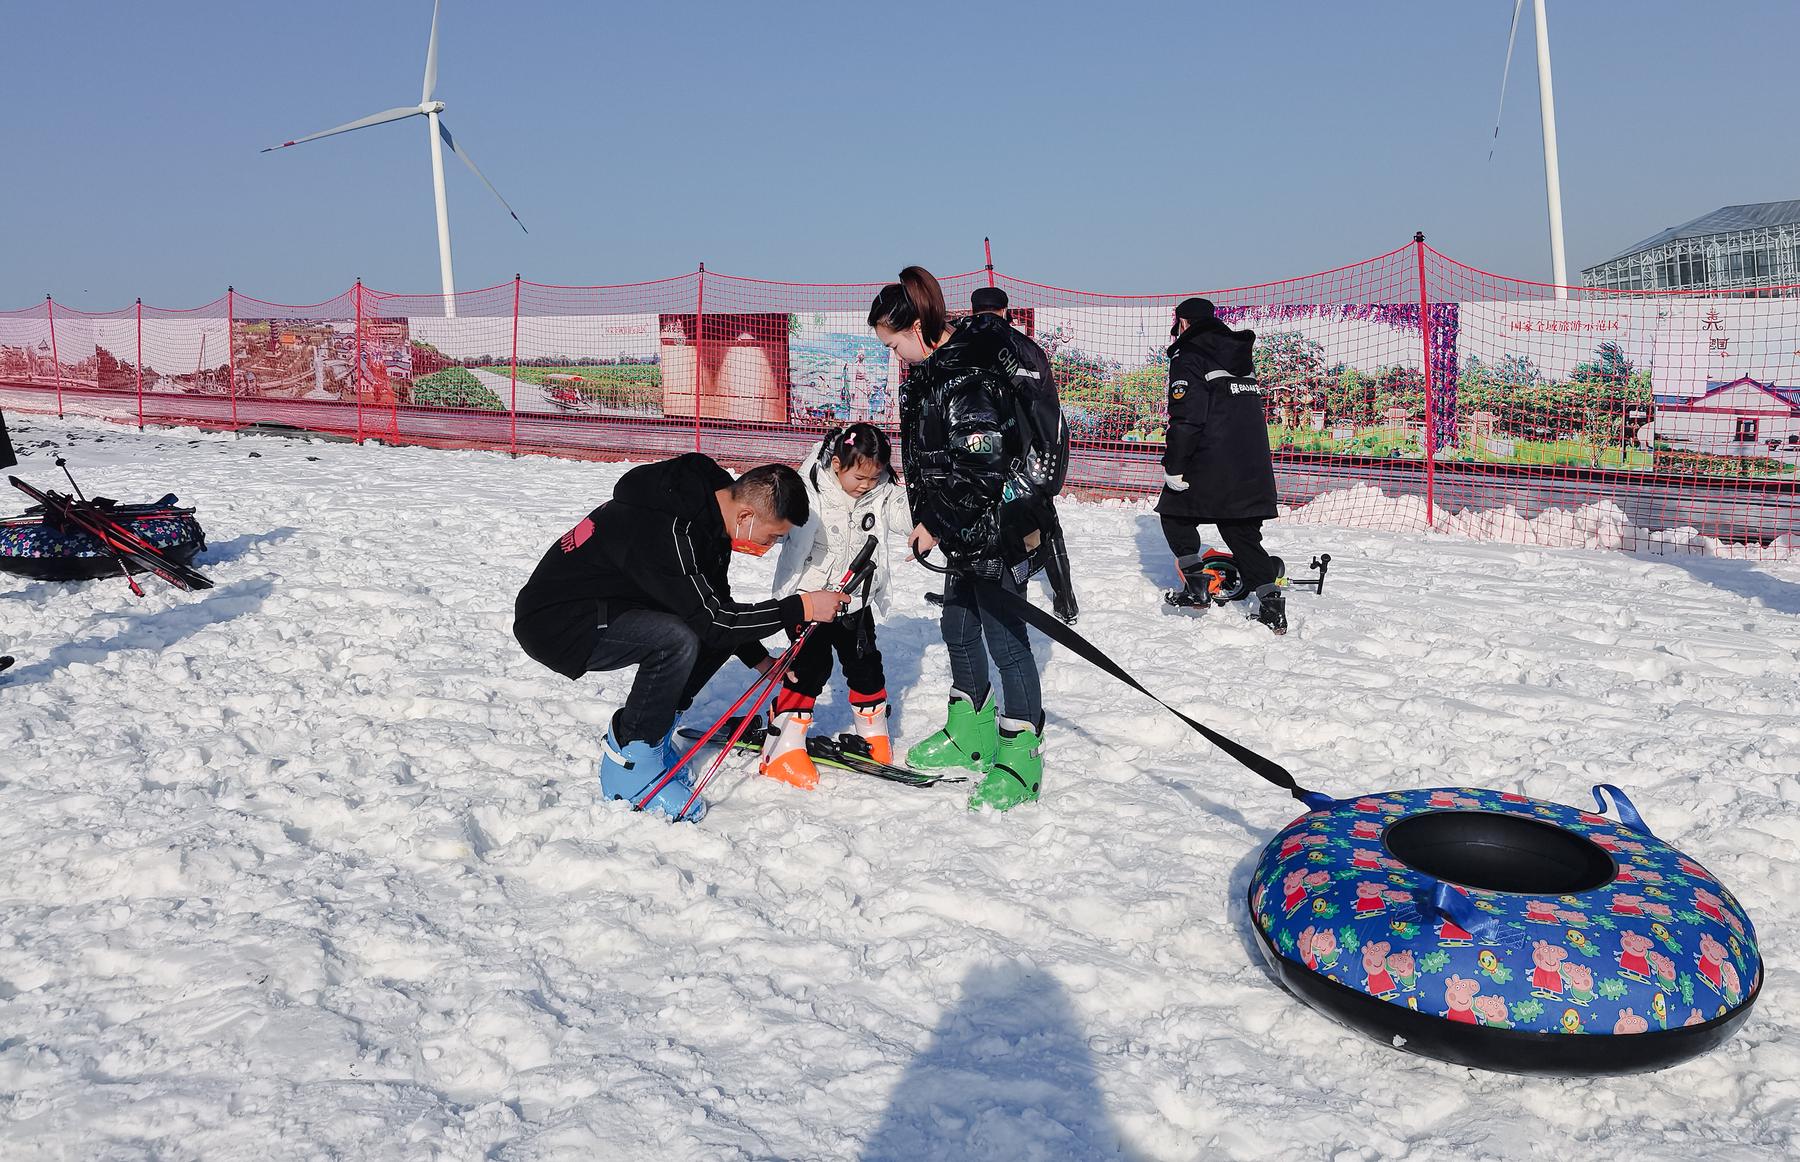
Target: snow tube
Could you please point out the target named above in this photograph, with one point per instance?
(33, 549)
(1505, 933)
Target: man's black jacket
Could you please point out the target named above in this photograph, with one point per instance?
(659, 543)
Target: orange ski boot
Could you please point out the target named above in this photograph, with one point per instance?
(871, 714)
(784, 754)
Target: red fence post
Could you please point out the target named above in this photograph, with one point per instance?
(140, 363)
(231, 352)
(393, 394)
(515, 368)
(699, 349)
(357, 379)
(1430, 404)
(987, 251)
(55, 359)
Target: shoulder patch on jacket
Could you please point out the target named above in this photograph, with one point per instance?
(577, 536)
(982, 442)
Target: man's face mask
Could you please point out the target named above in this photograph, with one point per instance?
(748, 544)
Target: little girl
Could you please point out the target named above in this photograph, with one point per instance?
(853, 495)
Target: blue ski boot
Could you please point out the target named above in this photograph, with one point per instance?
(627, 771)
(673, 746)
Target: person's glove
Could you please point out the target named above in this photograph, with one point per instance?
(1175, 483)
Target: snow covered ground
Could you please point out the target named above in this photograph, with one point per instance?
(311, 865)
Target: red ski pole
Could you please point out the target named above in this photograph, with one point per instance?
(778, 668)
(761, 689)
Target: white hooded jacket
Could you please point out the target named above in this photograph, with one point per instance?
(817, 553)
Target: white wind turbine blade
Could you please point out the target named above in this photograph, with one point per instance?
(1511, 35)
(444, 132)
(399, 114)
(431, 58)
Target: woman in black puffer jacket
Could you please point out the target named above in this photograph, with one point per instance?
(962, 451)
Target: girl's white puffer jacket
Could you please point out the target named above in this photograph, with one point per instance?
(817, 553)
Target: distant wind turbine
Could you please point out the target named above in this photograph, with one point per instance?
(1559, 263)
(439, 134)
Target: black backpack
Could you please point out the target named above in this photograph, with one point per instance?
(1038, 412)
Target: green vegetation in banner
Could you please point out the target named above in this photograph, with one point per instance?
(1686, 463)
(454, 387)
(1383, 442)
(625, 385)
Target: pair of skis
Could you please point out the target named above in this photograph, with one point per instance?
(846, 752)
(119, 540)
(166, 508)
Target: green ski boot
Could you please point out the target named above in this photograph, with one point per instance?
(969, 738)
(1017, 775)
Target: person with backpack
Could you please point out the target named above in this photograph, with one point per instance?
(1047, 459)
(963, 450)
(1217, 468)
(850, 487)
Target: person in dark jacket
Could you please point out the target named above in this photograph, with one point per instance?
(1034, 387)
(962, 452)
(642, 581)
(1216, 463)
(7, 458)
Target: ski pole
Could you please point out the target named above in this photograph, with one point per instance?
(755, 685)
(769, 680)
(701, 742)
(859, 565)
(64, 465)
(1320, 564)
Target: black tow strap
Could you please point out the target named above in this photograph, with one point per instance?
(1065, 635)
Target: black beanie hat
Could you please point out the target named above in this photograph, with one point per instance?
(988, 298)
(1194, 310)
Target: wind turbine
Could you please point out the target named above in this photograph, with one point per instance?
(439, 134)
(1559, 262)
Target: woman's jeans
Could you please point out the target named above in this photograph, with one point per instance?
(973, 630)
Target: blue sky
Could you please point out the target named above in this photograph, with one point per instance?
(1128, 147)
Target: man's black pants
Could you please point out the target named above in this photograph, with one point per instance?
(1242, 537)
(672, 669)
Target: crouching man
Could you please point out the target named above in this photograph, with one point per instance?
(641, 581)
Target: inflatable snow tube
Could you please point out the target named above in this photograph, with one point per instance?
(1505, 933)
(34, 549)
